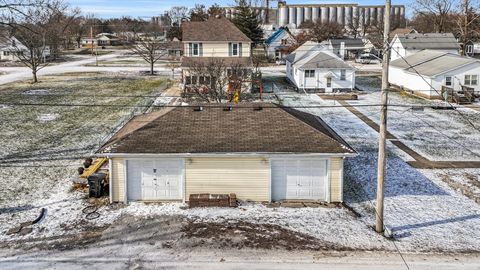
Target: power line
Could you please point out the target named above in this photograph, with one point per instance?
(432, 87)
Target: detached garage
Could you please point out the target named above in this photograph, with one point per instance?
(260, 152)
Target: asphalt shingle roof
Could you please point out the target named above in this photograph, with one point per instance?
(429, 41)
(213, 29)
(274, 129)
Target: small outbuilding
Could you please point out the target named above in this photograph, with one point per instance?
(260, 152)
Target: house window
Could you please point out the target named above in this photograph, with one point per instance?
(235, 50)
(329, 82)
(188, 80)
(6, 53)
(310, 73)
(471, 79)
(448, 81)
(469, 49)
(204, 80)
(196, 49)
(343, 74)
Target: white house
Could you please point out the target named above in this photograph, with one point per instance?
(424, 73)
(404, 45)
(312, 67)
(10, 47)
(278, 42)
(348, 48)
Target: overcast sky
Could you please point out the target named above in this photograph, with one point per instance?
(148, 8)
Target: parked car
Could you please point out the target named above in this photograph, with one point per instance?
(367, 58)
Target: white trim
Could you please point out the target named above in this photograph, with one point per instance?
(110, 180)
(233, 154)
(328, 183)
(327, 177)
(125, 187)
(341, 180)
(270, 180)
(184, 181)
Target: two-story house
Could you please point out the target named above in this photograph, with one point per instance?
(217, 38)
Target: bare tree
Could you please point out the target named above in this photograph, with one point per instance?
(320, 31)
(31, 28)
(177, 14)
(58, 25)
(436, 11)
(215, 81)
(150, 47)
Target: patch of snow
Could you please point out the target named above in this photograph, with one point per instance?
(3, 106)
(37, 92)
(47, 117)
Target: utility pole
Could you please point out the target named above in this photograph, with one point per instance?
(465, 34)
(382, 155)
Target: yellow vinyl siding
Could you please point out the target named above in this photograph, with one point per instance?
(336, 181)
(118, 180)
(248, 178)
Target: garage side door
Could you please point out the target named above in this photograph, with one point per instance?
(299, 179)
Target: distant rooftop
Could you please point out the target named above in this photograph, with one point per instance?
(431, 63)
(419, 41)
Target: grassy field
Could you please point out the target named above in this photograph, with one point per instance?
(45, 143)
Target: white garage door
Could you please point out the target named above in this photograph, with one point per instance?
(154, 179)
(299, 179)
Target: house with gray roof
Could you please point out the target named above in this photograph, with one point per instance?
(258, 151)
(312, 67)
(348, 48)
(427, 72)
(404, 45)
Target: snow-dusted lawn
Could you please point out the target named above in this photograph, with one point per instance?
(42, 145)
(424, 213)
(436, 134)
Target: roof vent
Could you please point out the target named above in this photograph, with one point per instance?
(258, 108)
(198, 109)
(227, 108)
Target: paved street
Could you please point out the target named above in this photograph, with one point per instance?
(23, 73)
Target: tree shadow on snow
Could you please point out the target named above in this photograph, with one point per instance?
(401, 179)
